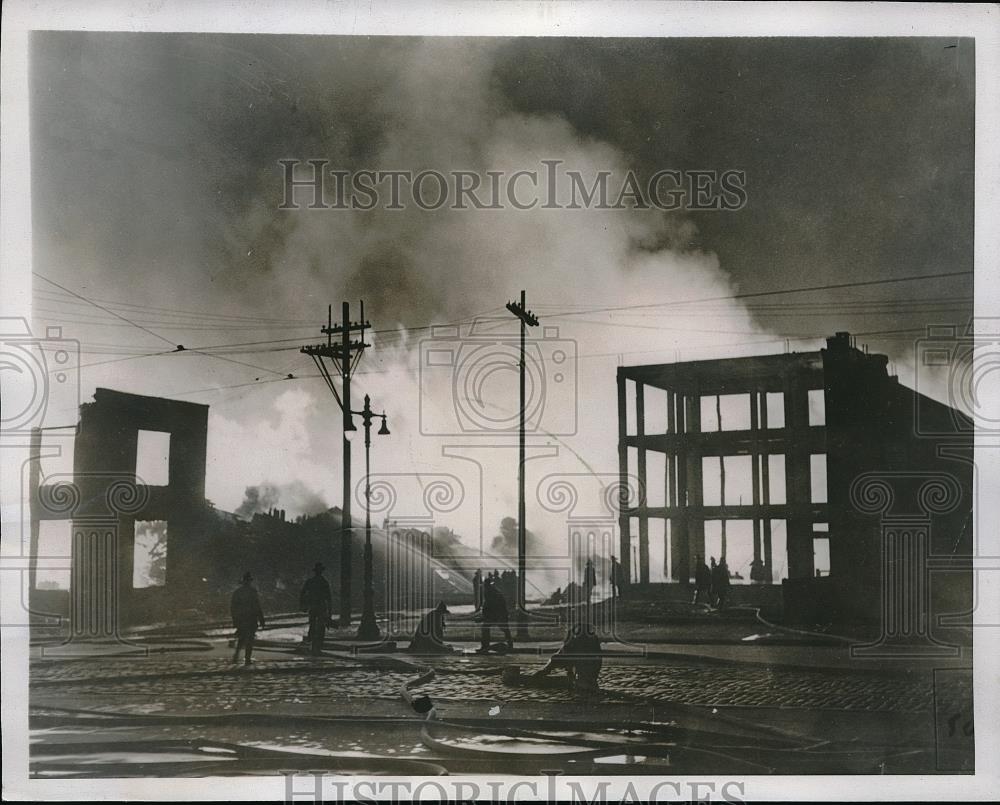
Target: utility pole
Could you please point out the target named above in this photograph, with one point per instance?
(344, 354)
(527, 319)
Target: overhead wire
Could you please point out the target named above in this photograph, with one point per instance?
(565, 312)
(98, 305)
(222, 351)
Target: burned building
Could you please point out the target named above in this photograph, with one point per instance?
(134, 540)
(772, 461)
(112, 505)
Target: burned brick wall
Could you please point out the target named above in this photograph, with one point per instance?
(875, 436)
(106, 498)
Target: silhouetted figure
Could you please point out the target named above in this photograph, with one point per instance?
(477, 589)
(617, 579)
(573, 594)
(494, 614)
(509, 585)
(247, 615)
(713, 573)
(580, 656)
(556, 597)
(720, 583)
(757, 573)
(589, 580)
(429, 637)
(702, 581)
(317, 601)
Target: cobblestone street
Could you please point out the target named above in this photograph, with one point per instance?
(347, 707)
(211, 683)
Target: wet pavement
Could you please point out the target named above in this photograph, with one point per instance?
(216, 683)
(188, 697)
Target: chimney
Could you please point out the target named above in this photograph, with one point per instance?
(840, 342)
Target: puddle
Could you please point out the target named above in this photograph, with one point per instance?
(512, 745)
(132, 756)
(621, 759)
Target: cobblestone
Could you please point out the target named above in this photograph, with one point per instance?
(143, 668)
(213, 684)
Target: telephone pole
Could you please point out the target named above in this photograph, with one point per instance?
(344, 354)
(527, 319)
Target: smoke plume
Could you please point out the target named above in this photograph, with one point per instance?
(294, 497)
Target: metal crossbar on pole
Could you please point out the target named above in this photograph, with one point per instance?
(343, 353)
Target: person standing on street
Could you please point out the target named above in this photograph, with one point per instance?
(477, 590)
(247, 615)
(720, 582)
(617, 578)
(589, 581)
(318, 602)
(713, 576)
(702, 581)
(494, 614)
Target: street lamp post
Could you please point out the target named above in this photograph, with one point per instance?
(368, 628)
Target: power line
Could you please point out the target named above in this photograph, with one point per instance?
(759, 342)
(117, 360)
(234, 361)
(95, 304)
(55, 296)
(239, 385)
(754, 294)
(177, 348)
(565, 313)
(102, 321)
(216, 350)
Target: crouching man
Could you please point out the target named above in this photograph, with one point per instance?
(429, 637)
(580, 657)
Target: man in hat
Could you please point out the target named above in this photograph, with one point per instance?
(318, 602)
(247, 614)
(429, 637)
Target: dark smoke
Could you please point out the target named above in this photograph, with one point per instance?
(505, 543)
(450, 544)
(295, 497)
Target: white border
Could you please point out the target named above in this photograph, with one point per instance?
(639, 19)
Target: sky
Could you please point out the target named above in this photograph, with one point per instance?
(155, 195)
